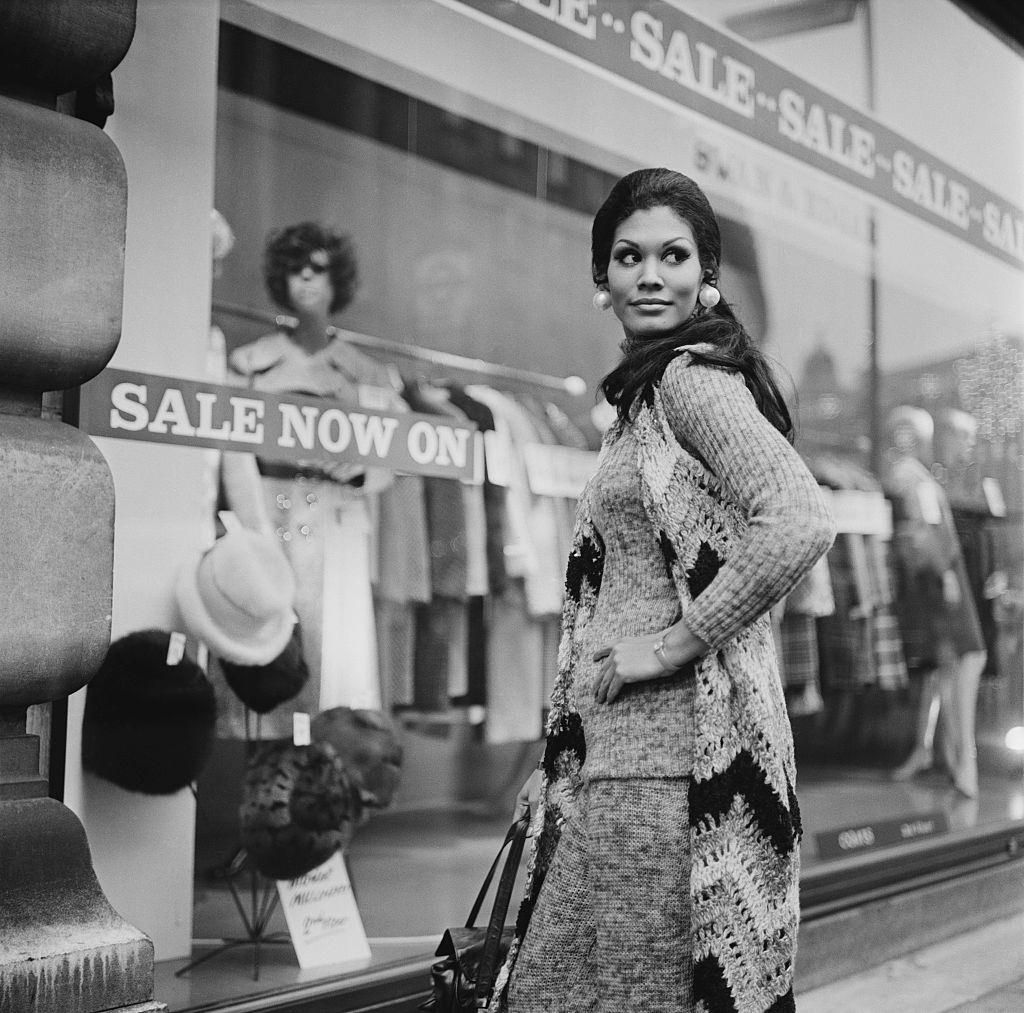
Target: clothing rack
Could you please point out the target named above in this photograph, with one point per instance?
(574, 386)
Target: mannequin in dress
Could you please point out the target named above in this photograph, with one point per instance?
(941, 634)
(318, 511)
(978, 507)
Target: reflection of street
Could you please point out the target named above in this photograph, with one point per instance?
(832, 416)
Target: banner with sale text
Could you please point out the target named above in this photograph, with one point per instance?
(292, 429)
(673, 54)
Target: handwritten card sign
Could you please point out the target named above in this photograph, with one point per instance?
(322, 916)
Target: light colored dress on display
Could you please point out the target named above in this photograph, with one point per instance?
(324, 528)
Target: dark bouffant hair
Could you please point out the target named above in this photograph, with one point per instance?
(289, 249)
(148, 726)
(644, 362)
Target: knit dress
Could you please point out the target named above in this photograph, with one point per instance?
(610, 929)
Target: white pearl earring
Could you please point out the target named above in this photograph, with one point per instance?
(708, 296)
(602, 299)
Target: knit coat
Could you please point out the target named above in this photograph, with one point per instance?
(730, 559)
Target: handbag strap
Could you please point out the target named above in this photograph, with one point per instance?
(478, 903)
(487, 969)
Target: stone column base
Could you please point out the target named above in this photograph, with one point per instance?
(63, 948)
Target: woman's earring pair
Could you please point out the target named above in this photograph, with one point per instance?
(708, 296)
(602, 299)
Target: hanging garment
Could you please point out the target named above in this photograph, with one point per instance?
(324, 528)
(562, 508)
(446, 511)
(440, 659)
(844, 638)
(396, 644)
(926, 547)
(975, 528)
(798, 639)
(890, 664)
(799, 664)
(533, 553)
(515, 665)
(494, 496)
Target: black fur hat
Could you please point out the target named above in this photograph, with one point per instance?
(148, 726)
(298, 808)
(263, 687)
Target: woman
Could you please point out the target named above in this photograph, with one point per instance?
(663, 875)
(317, 510)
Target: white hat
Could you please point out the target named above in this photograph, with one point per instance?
(238, 598)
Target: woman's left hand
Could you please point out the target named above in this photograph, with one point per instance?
(629, 660)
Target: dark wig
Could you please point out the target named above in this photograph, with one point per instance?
(288, 251)
(644, 361)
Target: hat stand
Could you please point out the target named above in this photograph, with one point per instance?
(261, 895)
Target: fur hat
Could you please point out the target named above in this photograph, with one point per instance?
(263, 687)
(368, 746)
(298, 808)
(237, 597)
(148, 726)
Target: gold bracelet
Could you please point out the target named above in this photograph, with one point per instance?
(659, 653)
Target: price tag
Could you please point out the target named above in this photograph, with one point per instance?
(300, 729)
(322, 915)
(175, 649)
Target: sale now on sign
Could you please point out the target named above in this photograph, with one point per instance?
(290, 429)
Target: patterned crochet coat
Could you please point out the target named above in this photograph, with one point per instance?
(744, 819)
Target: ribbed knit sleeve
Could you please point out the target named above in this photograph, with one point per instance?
(714, 416)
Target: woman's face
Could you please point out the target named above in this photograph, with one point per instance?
(309, 287)
(654, 273)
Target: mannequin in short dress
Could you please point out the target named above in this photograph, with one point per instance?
(317, 511)
(941, 634)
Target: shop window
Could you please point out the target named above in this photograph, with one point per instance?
(472, 248)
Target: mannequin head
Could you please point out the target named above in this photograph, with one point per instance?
(956, 438)
(910, 431)
(310, 270)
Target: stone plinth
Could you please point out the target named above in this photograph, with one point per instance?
(63, 948)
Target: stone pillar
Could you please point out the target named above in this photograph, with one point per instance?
(63, 197)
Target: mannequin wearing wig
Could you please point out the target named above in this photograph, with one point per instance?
(941, 635)
(318, 512)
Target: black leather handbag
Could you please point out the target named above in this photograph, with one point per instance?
(464, 978)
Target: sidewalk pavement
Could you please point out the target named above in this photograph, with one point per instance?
(981, 971)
